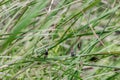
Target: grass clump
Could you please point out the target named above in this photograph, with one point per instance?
(59, 40)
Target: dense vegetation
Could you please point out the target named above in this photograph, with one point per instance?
(59, 39)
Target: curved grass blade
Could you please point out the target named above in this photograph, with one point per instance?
(24, 22)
